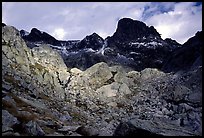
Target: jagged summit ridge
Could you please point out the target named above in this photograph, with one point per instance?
(129, 29)
(93, 41)
(187, 57)
(38, 36)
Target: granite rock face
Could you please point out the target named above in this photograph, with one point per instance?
(40, 70)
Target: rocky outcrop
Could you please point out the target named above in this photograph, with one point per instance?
(8, 121)
(40, 70)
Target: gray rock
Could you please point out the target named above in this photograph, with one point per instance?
(7, 87)
(75, 71)
(120, 77)
(195, 97)
(33, 129)
(66, 117)
(10, 101)
(48, 57)
(15, 50)
(149, 73)
(55, 134)
(108, 90)
(157, 127)
(87, 131)
(180, 92)
(9, 133)
(8, 121)
(96, 75)
(113, 89)
(68, 128)
(35, 104)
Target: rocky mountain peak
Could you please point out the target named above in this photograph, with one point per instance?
(186, 57)
(24, 33)
(93, 41)
(35, 31)
(172, 42)
(129, 29)
(197, 39)
(38, 36)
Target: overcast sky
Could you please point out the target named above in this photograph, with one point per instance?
(75, 20)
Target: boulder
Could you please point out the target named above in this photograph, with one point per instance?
(87, 131)
(68, 128)
(113, 89)
(8, 121)
(149, 73)
(75, 71)
(33, 129)
(94, 77)
(48, 57)
(157, 127)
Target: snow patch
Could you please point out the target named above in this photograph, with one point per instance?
(57, 47)
(154, 43)
(101, 51)
(26, 33)
(38, 44)
(134, 43)
(135, 53)
(90, 50)
(121, 56)
(65, 52)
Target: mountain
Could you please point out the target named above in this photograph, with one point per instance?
(128, 30)
(93, 41)
(109, 93)
(134, 40)
(37, 36)
(186, 57)
(134, 45)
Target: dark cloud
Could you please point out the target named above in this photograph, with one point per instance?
(156, 8)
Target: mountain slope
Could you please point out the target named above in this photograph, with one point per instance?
(186, 57)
